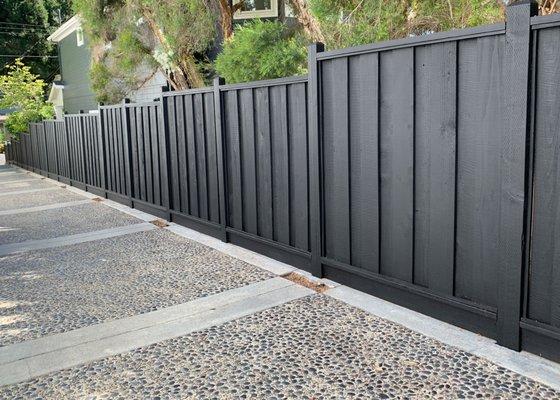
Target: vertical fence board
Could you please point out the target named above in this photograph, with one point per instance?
(299, 170)
(544, 283)
(248, 160)
(480, 122)
(233, 154)
(336, 165)
(280, 164)
(156, 183)
(202, 177)
(396, 138)
(264, 163)
(364, 162)
(172, 129)
(435, 149)
(212, 160)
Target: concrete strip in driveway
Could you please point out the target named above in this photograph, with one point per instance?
(73, 239)
(25, 191)
(43, 208)
(30, 359)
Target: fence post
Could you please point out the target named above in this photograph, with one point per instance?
(220, 155)
(314, 117)
(514, 170)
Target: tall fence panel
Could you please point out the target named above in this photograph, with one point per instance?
(411, 152)
(94, 174)
(75, 149)
(116, 150)
(267, 167)
(62, 151)
(148, 161)
(193, 158)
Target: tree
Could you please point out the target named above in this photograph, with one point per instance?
(23, 91)
(129, 36)
(24, 29)
(262, 50)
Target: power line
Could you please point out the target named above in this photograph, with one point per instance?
(21, 24)
(26, 56)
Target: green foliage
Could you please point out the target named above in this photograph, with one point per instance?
(144, 35)
(35, 20)
(347, 23)
(262, 50)
(23, 91)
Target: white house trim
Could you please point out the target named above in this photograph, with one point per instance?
(65, 29)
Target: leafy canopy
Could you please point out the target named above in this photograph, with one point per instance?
(23, 91)
(347, 23)
(261, 50)
(132, 39)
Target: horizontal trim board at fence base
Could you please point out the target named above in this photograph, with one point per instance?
(269, 248)
(477, 320)
(78, 184)
(433, 38)
(545, 21)
(65, 180)
(197, 224)
(540, 340)
(52, 175)
(119, 198)
(96, 190)
(158, 211)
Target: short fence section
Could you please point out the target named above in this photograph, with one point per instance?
(422, 170)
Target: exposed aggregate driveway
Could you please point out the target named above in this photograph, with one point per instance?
(311, 348)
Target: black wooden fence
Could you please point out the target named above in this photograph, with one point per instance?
(423, 170)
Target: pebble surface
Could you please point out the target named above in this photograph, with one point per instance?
(56, 290)
(58, 222)
(311, 348)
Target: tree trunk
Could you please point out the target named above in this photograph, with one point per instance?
(307, 20)
(183, 75)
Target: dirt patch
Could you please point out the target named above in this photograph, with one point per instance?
(303, 281)
(98, 199)
(160, 223)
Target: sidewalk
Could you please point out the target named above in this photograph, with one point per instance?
(98, 302)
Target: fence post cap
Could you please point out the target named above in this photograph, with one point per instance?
(317, 47)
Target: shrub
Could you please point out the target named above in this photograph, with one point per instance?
(262, 50)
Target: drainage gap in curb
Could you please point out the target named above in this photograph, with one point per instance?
(303, 281)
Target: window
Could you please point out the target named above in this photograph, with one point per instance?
(79, 36)
(257, 9)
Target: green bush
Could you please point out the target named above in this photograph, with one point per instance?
(262, 50)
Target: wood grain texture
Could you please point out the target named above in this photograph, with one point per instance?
(480, 123)
(299, 167)
(364, 152)
(280, 163)
(233, 152)
(191, 157)
(202, 176)
(544, 284)
(248, 160)
(396, 144)
(264, 163)
(435, 156)
(212, 159)
(336, 162)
